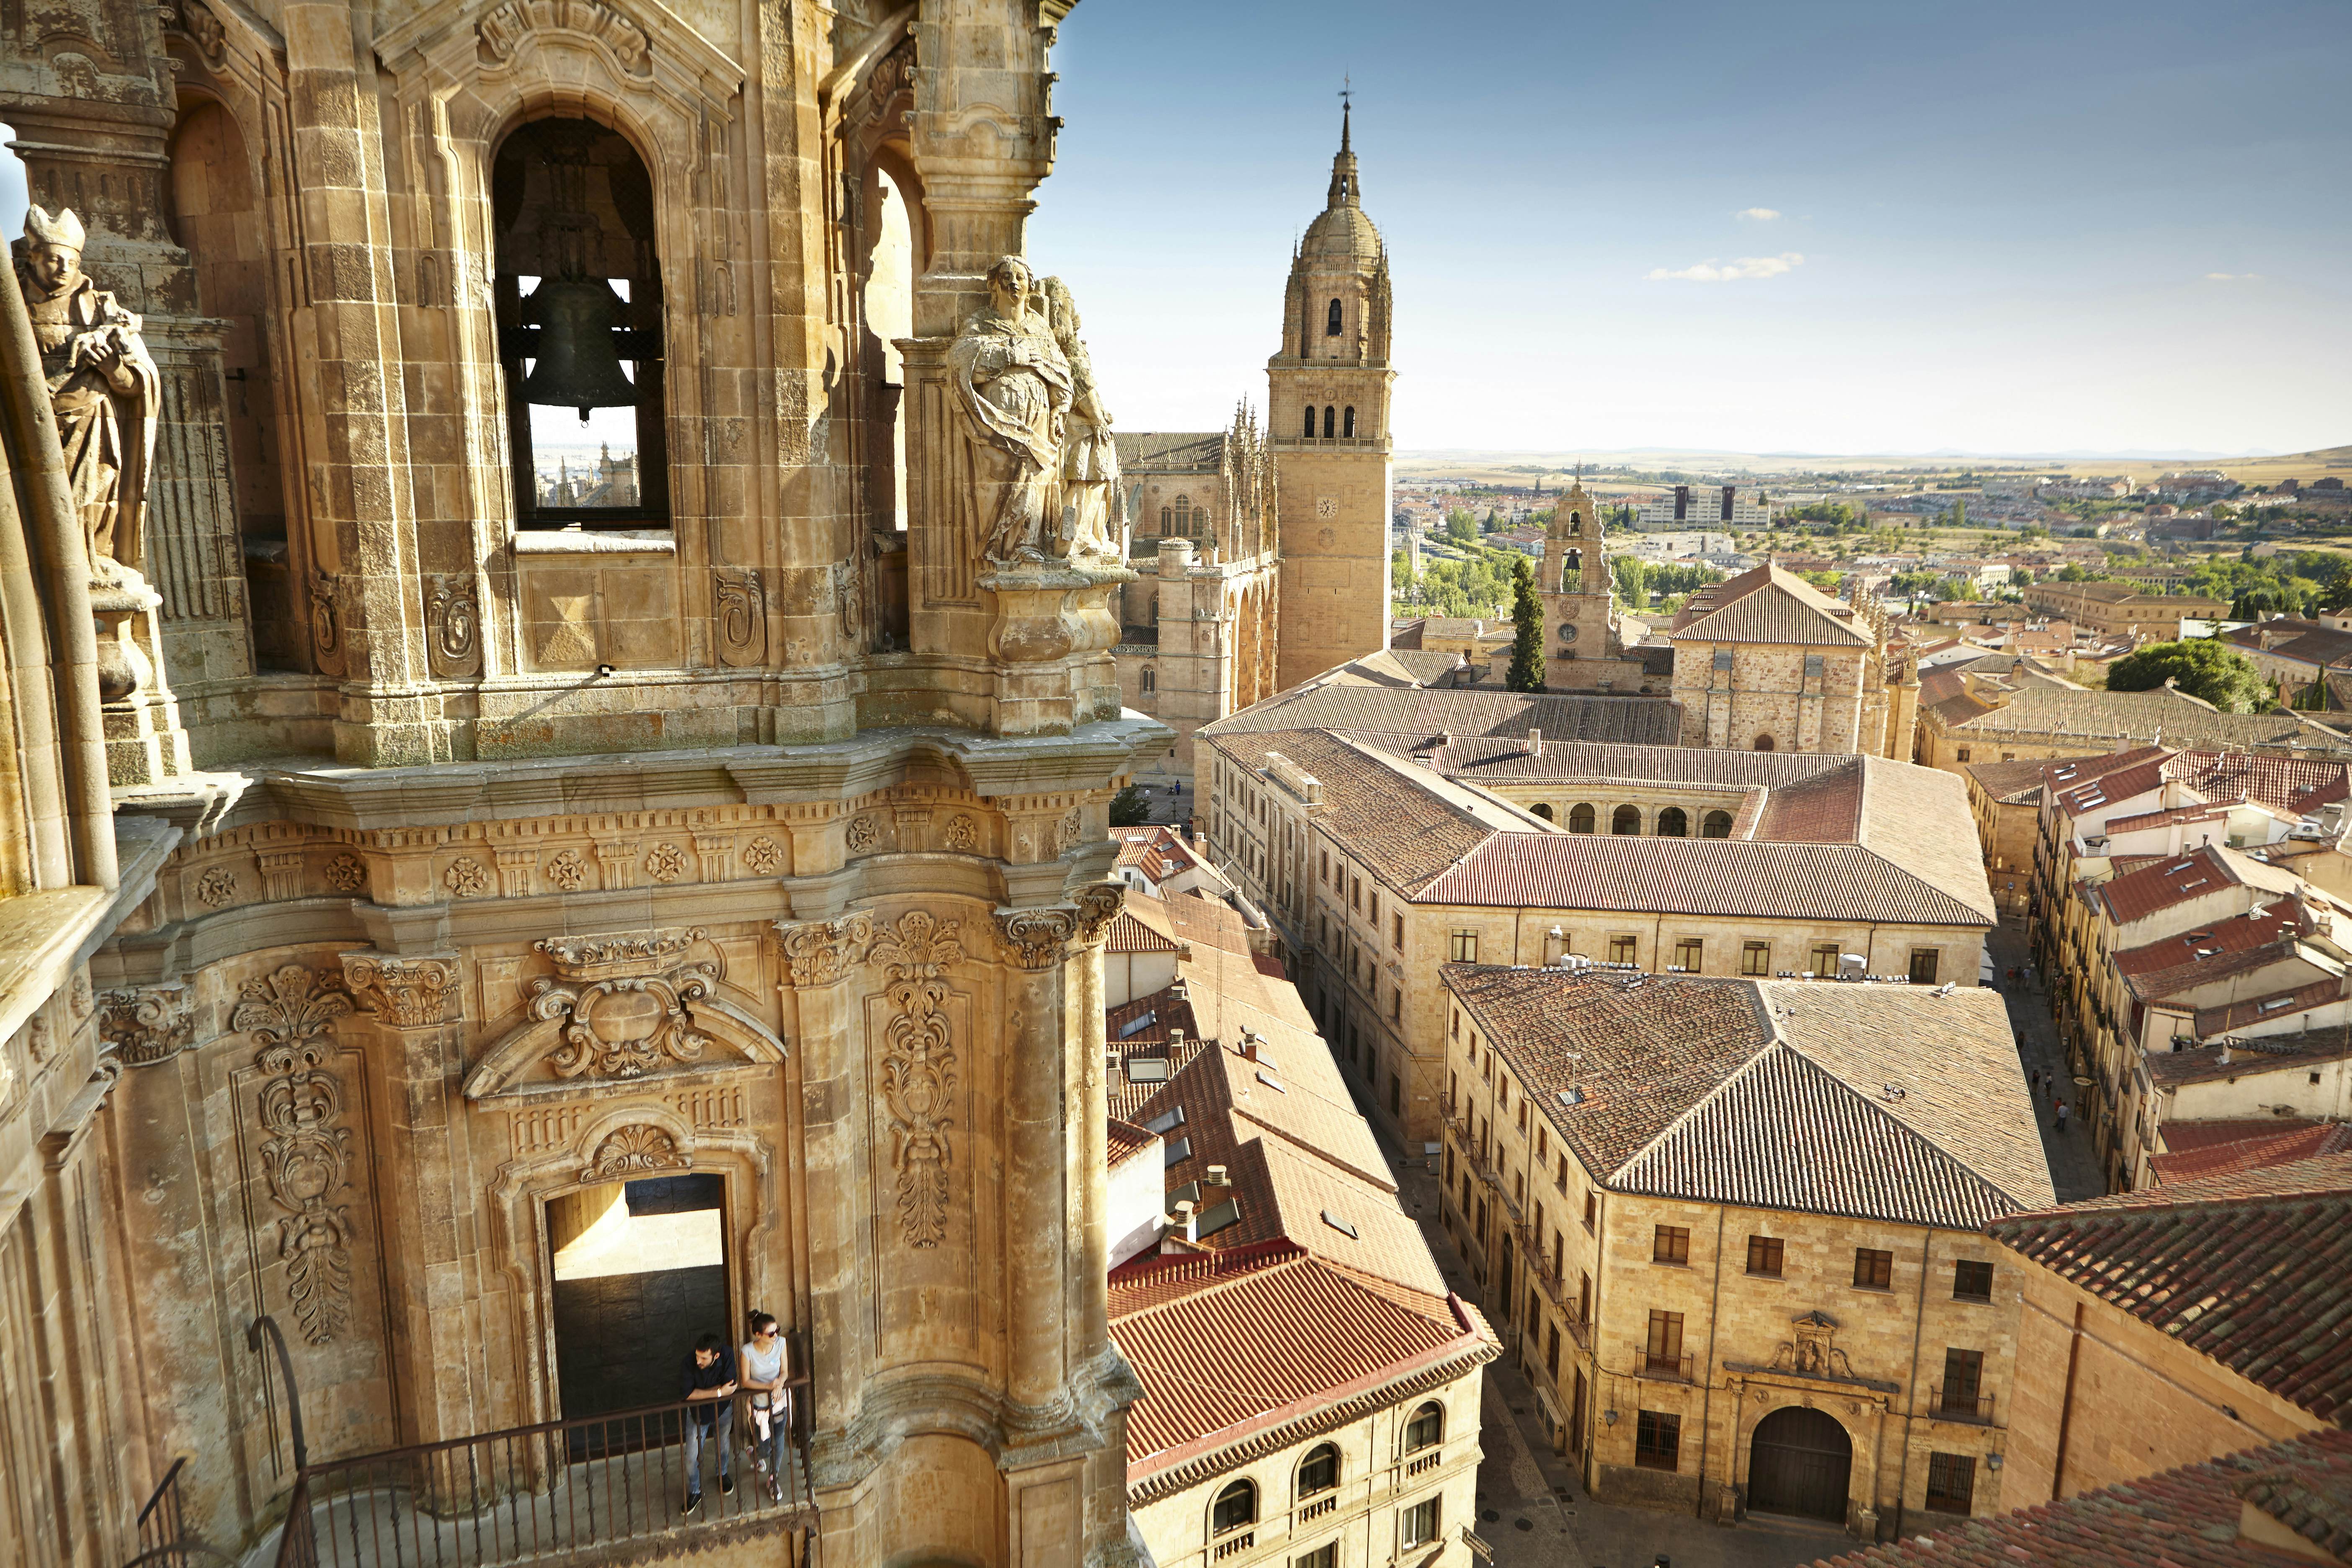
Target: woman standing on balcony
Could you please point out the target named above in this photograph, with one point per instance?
(763, 1379)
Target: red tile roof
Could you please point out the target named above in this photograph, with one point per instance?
(2247, 1269)
(2186, 1517)
(2249, 1146)
(2196, 874)
(2239, 933)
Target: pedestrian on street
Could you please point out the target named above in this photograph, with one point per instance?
(709, 1393)
(2061, 1117)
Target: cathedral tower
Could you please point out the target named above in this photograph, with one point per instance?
(1327, 405)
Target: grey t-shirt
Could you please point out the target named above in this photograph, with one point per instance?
(765, 1368)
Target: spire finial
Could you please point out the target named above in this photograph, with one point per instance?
(1345, 102)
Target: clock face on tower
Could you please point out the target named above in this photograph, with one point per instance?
(1326, 506)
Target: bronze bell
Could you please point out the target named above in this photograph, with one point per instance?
(579, 364)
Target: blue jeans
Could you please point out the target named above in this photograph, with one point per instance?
(695, 1436)
(771, 1449)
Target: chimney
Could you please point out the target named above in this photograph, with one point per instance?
(1535, 743)
(1190, 1218)
(1217, 1177)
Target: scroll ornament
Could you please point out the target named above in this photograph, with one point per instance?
(635, 1151)
(305, 1153)
(146, 1025)
(623, 1000)
(918, 1069)
(816, 953)
(504, 30)
(405, 993)
(1033, 938)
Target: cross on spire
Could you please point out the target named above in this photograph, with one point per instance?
(1346, 101)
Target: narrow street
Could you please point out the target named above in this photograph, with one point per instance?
(2074, 1160)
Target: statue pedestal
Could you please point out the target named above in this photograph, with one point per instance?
(1051, 628)
(145, 743)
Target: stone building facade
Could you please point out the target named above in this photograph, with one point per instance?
(753, 838)
(1711, 1325)
(1589, 651)
(1765, 662)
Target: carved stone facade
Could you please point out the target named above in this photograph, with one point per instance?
(756, 846)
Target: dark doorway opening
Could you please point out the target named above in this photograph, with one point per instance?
(1801, 1463)
(640, 1271)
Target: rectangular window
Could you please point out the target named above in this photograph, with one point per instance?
(1396, 1003)
(1421, 1522)
(1584, 1297)
(1457, 1022)
(1590, 1203)
(1657, 1440)
(1755, 958)
(1324, 1556)
(1560, 1180)
(1464, 946)
(1558, 1241)
(1620, 949)
(1872, 1269)
(1666, 1343)
(1396, 932)
(1325, 872)
(1671, 1244)
(1690, 954)
(1972, 1281)
(1963, 1381)
(1825, 960)
(1963, 753)
(1923, 965)
(1543, 1144)
(1951, 1483)
(1396, 1095)
(1551, 1351)
(1764, 1254)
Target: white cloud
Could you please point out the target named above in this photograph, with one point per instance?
(1712, 271)
(2232, 276)
(1761, 214)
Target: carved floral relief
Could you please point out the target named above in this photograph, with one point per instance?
(146, 1024)
(618, 1024)
(919, 1067)
(306, 1152)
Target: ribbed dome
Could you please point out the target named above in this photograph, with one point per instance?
(1342, 234)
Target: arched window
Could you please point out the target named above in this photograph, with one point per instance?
(1150, 681)
(1348, 423)
(1625, 819)
(1328, 420)
(1673, 823)
(1544, 812)
(1310, 431)
(1717, 824)
(1764, 743)
(1576, 525)
(1427, 1429)
(1184, 515)
(1237, 1506)
(1331, 320)
(1319, 1471)
(1581, 817)
(1166, 521)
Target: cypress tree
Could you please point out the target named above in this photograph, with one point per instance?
(1526, 672)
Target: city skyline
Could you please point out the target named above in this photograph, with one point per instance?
(1816, 231)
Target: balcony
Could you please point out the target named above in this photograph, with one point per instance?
(1580, 1331)
(1961, 1405)
(1327, 1504)
(1650, 1363)
(1226, 1546)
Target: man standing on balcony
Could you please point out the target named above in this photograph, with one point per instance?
(709, 1393)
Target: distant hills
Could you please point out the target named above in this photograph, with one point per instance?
(1521, 467)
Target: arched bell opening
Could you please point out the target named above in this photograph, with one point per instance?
(577, 291)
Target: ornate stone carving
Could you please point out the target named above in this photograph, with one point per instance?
(1812, 1352)
(105, 390)
(204, 31)
(712, 853)
(1099, 905)
(1013, 387)
(40, 1039)
(963, 836)
(516, 865)
(346, 873)
(466, 877)
(281, 874)
(146, 1024)
(453, 623)
(741, 610)
(566, 870)
(1033, 938)
(762, 857)
(622, 1002)
(818, 951)
(504, 30)
(1086, 500)
(306, 1155)
(632, 1151)
(1070, 830)
(404, 992)
(326, 622)
(918, 1069)
(217, 887)
(665, 862)
(862, 834)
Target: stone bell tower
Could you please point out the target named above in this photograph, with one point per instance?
(1328, 405)
(1585, 651)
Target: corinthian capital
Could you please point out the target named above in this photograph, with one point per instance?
(818, 951)
(1034, 938)
(404, 991)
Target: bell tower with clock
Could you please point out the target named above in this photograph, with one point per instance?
(1328, 390)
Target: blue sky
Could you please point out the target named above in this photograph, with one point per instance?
(1997, 228)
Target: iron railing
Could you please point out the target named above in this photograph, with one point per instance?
(1675, 1366)
(555, 1488)
(163, 1538)
(1963, 1404)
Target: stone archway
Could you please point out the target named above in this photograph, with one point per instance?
(1801, 1461)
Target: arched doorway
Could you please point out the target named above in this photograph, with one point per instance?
(1800, 1463)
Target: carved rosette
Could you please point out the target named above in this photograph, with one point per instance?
(305, 1153)
(404, 992)
(817, 953)
(1034, 938)
(918, 1069)
(635, 1149)
(623, 1002)
(146, 1024)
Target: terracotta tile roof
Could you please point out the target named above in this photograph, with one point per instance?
(2250, 1058)
(1505, 759)
(2287, 1002)
(2239, 933)
(2249, 1146)
(2095, 717)
(2186, 1517)
(2147, 819)
(1127, 1141)
(2179, 879)
(2305, 642)
(1248, 1350)
(1206, 922)
(2247, 1269)
(1698, 1087)
(2291, 785)
(1133, 932)
(1318, 705)
(1766, 605)
(1159, 852)
(2123, 784)
(1405, 836)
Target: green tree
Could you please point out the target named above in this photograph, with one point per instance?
(2201, 666)
(1460, 527)
(1960, 514)
(1526, 672)
(1633, 581)
(1128, 808)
